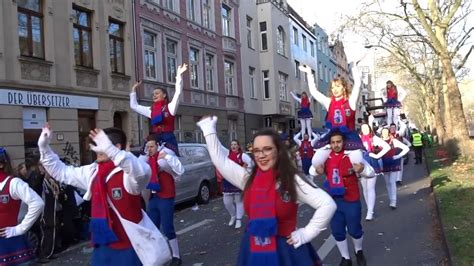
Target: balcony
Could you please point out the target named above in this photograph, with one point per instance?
(229, 45)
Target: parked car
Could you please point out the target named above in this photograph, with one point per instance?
(199, 179)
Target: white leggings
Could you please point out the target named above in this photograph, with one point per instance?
(400, 173)
(393, 114)
(306, 124)
(368, 186)
(390, 183)
(234, 205)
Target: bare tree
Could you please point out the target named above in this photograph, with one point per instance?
(432, 43)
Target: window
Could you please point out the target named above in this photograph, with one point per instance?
(295, 36)
(229, 78)
(149, 45)
(116, 46)
(206, 13)
(263, 36)
(171, 58)
(249, 32)
(232, 129)
(179, 128)
(297, 71)
(191, 10)
(82, 36)
(210, 72)
(266, 84)
(283, 80)
(305, 45)
(252, 82)
(311, 47)
(281, 41)
(194, 67)
(30, 28)
(226, 20)
(326, 73)
(169, 4)
(314, 76)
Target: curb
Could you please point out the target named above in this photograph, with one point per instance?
(438, 213)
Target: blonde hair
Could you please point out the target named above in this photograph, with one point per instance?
(341, 81)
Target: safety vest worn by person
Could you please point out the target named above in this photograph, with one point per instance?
(417, 139)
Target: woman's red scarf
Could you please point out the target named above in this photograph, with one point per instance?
(155, 169)
(262, 219)
(236, 156)
(101, 225)
(367, 139)
(157, 112)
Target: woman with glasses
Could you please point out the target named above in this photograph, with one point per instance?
(14, 246)
(271, 192)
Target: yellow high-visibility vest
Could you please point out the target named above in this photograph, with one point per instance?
(417, 139)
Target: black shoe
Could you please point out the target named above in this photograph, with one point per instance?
(399, 183)
(361, 258)
(345, 262)
(175, 261)
(42, 261)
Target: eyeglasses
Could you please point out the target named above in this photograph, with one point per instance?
(265, 151)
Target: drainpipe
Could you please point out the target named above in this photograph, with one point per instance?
(140, 117)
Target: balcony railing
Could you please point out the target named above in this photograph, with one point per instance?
(229, 44)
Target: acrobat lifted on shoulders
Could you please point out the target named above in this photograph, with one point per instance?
(393, 102)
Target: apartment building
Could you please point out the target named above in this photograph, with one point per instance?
(204, 34)
(67, 62)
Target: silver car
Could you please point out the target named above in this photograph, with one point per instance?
(199, 178)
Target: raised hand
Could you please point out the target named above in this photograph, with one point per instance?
(181, 69)
(45, 137)
(305, 69)
(136, 85)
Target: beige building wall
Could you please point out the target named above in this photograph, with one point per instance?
(58, 74)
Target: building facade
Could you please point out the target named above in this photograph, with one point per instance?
(66, 62)
(304, 52)
(205, 35)
(326, 69)
(342, 66)
(266, 61)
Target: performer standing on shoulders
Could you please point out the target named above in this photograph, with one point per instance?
(306, 149)
(304, 114)
(14, 246)
(162, 112)
(394, 96)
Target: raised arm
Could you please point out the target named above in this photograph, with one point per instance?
(178, 89)
(298, 99)
(21, 191)
(248, 161)
(296, 139)
(383, 144)
(356, 88)
(315, 139)
(324, 210)
(231, 171)
(143, 110)
(136, 172)
(171, 164)
(75, 176)
(402, 94)
(318, 96)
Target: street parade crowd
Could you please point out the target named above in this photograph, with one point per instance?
(128, 201)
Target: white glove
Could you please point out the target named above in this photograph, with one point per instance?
(208, 125)
(45, 138)
(300, 237)
(396, 157)
(103, 144)
(11, 232)
(373, 155)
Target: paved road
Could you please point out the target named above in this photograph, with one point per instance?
(406, 236)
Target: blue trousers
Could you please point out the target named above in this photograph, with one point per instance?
(103, 255)
(161, 213)
(348, 214)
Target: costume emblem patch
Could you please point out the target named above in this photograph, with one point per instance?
(4, 199)
(285, 196)
(348, 112)
(117, 193)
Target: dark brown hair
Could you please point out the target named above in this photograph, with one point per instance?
(285, 170)
(7, 163)
(164, 91)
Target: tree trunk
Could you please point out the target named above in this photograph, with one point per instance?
(457, 117)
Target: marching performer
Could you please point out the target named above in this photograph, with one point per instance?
(393, 98)
(14, 246)
(306, 149)
(304, 114)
